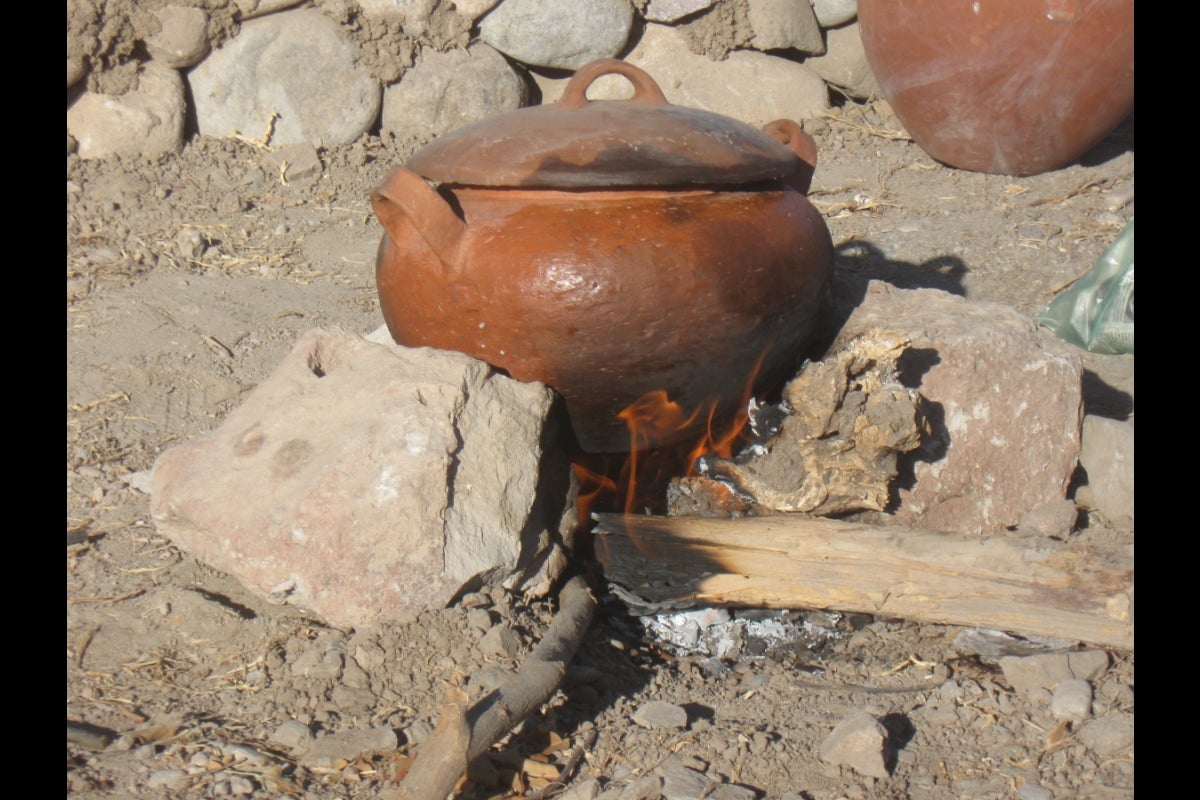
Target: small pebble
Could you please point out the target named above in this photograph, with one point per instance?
(731, 791)
(1072, 699)
(501, 641)
(660, 714)
(293, 734)
(1110, 736)
(242, 753)
(476, 600)
(480, 619)
(683, 783)
(647, 787)
(857, 742)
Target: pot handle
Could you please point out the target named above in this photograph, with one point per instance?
(406, 199)
(645, 90)
(800, 143)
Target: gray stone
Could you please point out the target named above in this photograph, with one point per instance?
(242, 754)
(857, 742)
(779, 24)
(1071, 700)
(674, 10)
(291, 74)
(660, 714)
(831, 13)
(147, 121)
(1004, 400)
(348, 745)
(319, 662)
(845, 65)
(182, 39)
(347, 698)
(489, 678)
(501, 641)
(294, 735)
(1108, 736)
(1107, 456)
(448, 90)
(684, 783)
(647, 787)
(295, 163)
(1045, 671)
(298, 492)
(481, 619)
(753, 87)
(138, 481)
(585, 789)
(562, 34)
(368, 655)
(731, 791)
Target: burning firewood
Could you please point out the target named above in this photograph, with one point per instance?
(847, 418)
(1023, 583)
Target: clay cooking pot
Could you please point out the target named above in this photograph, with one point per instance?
(609, 249)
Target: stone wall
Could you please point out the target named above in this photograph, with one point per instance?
(146, 76)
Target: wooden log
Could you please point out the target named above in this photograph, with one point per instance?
(1017, 583)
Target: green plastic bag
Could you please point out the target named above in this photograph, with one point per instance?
(1097, 312)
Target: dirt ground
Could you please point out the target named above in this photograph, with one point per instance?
(190, 276)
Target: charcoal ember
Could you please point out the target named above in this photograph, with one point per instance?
(700, 496)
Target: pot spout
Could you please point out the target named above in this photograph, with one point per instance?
(405, 198)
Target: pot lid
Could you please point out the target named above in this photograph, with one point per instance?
(578, 143)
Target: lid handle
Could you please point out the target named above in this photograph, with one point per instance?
(645, 90)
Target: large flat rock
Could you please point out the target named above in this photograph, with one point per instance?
(366, 482)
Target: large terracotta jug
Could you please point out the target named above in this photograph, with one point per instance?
(1014, 87)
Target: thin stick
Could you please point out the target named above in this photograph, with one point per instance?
(502, 710)
(564, 775)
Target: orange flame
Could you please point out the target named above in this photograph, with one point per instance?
(643, 476)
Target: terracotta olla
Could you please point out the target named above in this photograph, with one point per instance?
(1014, 87)
(610, 249)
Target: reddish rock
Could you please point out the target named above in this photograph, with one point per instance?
(1004, 399)
(366, 482)
(858, 742)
